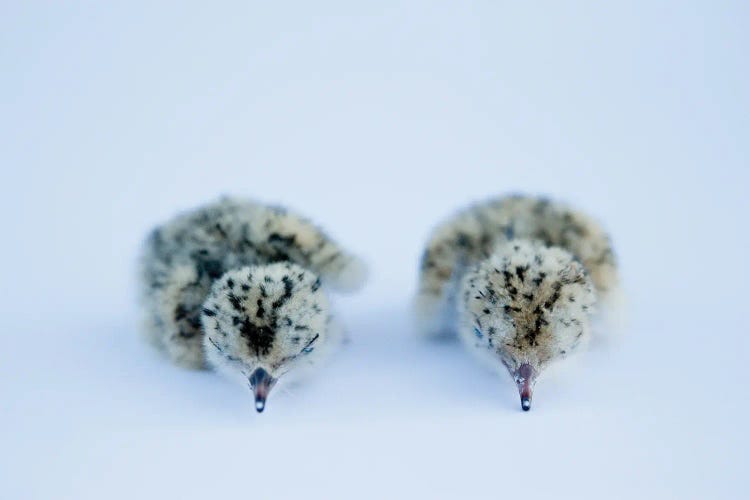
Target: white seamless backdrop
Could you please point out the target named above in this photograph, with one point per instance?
(376, 119)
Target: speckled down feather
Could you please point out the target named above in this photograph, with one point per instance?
(526, 303)
(517, 278)
(473, 234)
(239, 285)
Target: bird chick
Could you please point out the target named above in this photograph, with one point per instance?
(525, 306)
(238, 286)
(517, 278)
(262, 321)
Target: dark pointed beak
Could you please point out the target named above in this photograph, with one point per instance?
(261, 383)
(525, 378)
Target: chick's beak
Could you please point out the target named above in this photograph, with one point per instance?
(261, 383)
(525, 377)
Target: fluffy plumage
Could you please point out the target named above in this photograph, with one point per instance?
(238, 286)
(517, 278)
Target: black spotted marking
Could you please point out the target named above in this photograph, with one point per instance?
(284, 240)
(521, 272)
(550, 303)
(267, 279)
(261, 310)
(259, 338)
(463, 240)
(288, 287)
(230, 283)
(538, 280)
(545, 237)
(301, 328)
(180, 312)
(532, 334)
(315, 285)
(186, 334)
(209, 312)
(212, 268)
(220, 230)
(235, 301)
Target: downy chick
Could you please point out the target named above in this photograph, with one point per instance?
(238, 286)
(517, 278)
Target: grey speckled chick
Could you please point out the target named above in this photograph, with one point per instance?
(238, 286)
(517, 278)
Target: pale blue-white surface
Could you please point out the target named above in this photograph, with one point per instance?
(376, 119)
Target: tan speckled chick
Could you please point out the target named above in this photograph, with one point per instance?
(239, 286)
(517, 278)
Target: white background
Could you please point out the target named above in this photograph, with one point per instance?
(376, 119)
